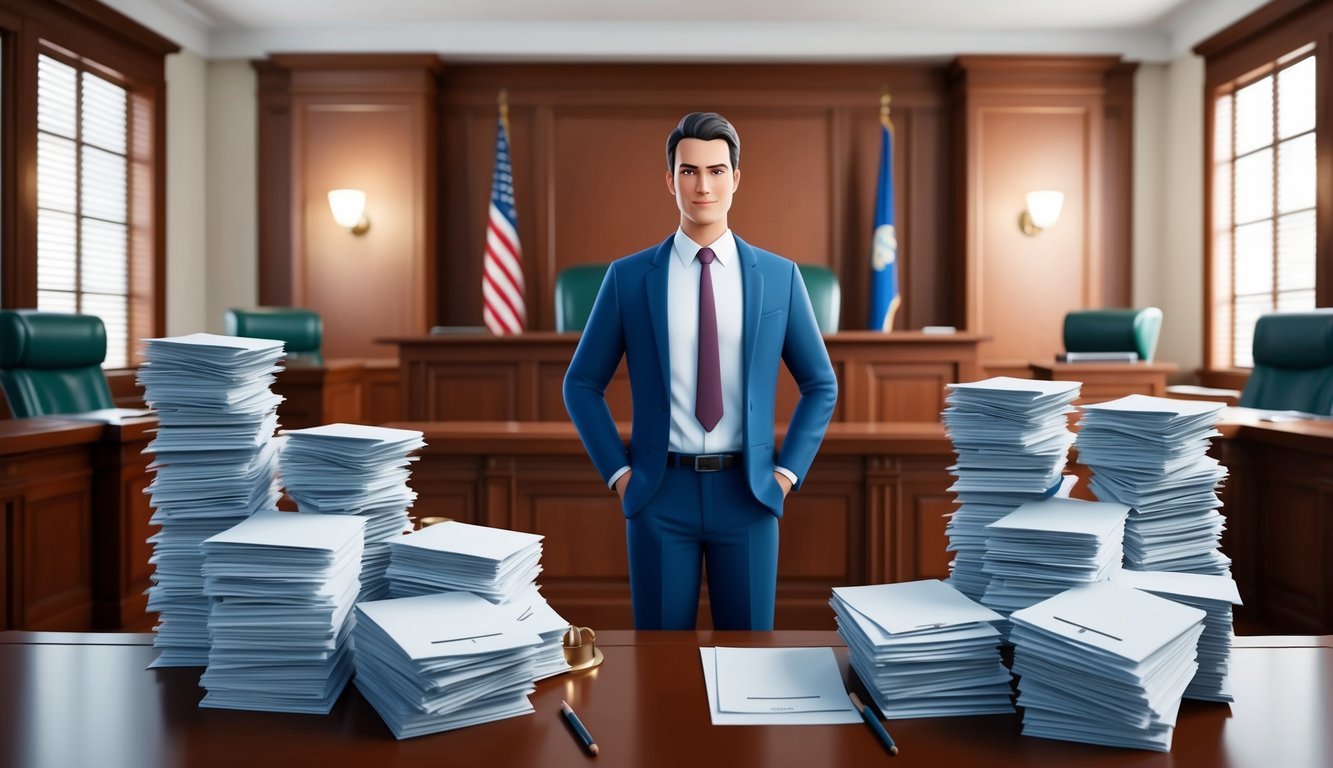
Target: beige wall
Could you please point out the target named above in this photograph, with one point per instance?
(1168, 205)
(231, 266)
(186, 75)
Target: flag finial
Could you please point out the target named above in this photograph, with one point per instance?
(884, 107)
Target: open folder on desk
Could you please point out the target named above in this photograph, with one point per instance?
(775, 686)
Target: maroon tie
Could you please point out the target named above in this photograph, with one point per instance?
(708, 394)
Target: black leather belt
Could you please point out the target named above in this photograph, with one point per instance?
(705, 462)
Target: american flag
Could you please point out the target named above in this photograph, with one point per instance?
(502, 281)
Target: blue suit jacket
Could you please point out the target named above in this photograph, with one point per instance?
(629, 319)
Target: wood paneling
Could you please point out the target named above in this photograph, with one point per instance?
(367, 122)
(1108, 381)
(120, 526)
(895, 377)
(588, 155)
(870, 498)
(1024, 124)
(381, 402)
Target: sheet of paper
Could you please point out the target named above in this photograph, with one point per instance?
(779, 680)
(708, 660)
(915, 605)
(448, 624)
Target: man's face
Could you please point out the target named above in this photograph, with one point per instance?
(703, 180)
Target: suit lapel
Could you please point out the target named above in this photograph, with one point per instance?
(656, 284)
(752, 283)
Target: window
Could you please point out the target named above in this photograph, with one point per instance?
(1263, 198)
(82, 193)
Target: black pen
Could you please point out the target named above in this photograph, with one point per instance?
(577, 724)
(875, 725)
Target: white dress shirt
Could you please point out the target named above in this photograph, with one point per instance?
(687, 434)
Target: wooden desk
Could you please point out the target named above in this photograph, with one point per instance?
(873, 511)
(881, 377)
(80, 700)
(1108, 381)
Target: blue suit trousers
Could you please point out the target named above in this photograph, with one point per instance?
(698, 518)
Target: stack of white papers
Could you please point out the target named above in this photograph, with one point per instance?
(438, 662)
(1104, 664)
(1214, 595)
(351, 469)
(775, 686)
(1012, 438)
(923, 649)
(283, 586)
(1045, 547)
(492, 562)
(215, 464)
(1149, 453)
(531, 610)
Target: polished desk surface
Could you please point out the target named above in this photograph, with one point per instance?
(87, 700)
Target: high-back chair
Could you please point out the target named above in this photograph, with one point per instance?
(825, 296)
(300, 330)
(1293, 363)
(51, 362)
(575, 291)
(1114, 330)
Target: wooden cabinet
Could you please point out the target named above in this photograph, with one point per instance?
(121, 511)
(1108, 381)
(46, 474)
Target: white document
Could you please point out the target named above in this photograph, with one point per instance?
(708, 658)
(1024, 387)
(1060, 515)
(915, 605)
(289, 529)
(470, 540)
(361, 432)
(1112, 617)
(1221, 589)
(236, 343)
(1161, 406)
(779, 680)
(448, 624)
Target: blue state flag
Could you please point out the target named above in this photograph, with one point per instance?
(884, 298)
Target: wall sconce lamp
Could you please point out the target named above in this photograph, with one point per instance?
(349, 210)
(1042, 212)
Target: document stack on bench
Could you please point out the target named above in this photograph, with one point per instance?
(215, 464)
(1214, 595)
(495, 563)
(492, 562)
(1012, 438)
(1104, 664)
(438, 662)
(352, 469)
(1149, 453)
(283, 587)
(923, 649)
(1045, 547)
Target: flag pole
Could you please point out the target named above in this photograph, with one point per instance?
(504, 109)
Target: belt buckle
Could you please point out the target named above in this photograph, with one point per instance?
(708, 463)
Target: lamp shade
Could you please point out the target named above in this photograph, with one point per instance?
(348, 206)
(1044, 207)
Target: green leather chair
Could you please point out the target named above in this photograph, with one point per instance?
(51, 363)
(1293, 363)
(1114, 330)
(300, 330)
(825, 296)
(575, 291)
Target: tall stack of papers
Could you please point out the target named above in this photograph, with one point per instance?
(492, 562)
(215, 464)
(1045, 547)
(1214, 595)
(1149, 453)
(283, 586)
(923, 649)
(1012, 438)
(438, 662)
(351, 469)
(1104, 664)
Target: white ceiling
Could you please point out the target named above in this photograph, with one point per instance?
(689, 30)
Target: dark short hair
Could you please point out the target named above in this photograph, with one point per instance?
(706, 126)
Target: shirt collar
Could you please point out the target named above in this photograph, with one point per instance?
(685, 249)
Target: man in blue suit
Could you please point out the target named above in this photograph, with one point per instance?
(702, 320)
